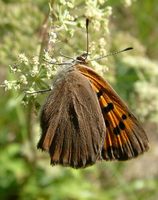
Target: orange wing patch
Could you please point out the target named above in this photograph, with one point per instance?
(125, 137)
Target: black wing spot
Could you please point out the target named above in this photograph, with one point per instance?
(108, 108)
(124, 117)
(107, 123)
(99, 94)
(122, 125)
(116, 130)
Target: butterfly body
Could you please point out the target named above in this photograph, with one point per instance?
(84, 120)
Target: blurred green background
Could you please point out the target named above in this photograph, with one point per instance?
(25, 172)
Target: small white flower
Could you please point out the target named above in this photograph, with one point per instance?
(92, 46)
(52, 36)
(47, 56)
(53, 60)
(63, 2)
(16, 87)
(23, 80)
(23, 59)
(50, 72)
(34, 71)
(128, 3)
(102, 1)
(24, 103)
(67, 17)
(102, 46)
(9, 85)
(108, 11)
(102, 41)
(96, 25)
(13, 68)
(35, 60)
(99, 68)
(19, 70)
(48, 59)
(103, 51)
(70, 4)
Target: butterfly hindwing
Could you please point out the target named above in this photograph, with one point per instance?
(125, 137)
(72, 124)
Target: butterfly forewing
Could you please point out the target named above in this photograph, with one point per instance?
(125, 137)
(73, 128)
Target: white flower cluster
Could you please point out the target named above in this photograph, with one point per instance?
(69, 3)
(52, 36)
(102, 45)
(35, 66)
(23, 59)
(31, 74)
(98, 15)
(146, 86)
(23, 79)
(9, 85)
(148, 96)
(128, 2)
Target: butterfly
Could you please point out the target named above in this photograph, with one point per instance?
(84, 120)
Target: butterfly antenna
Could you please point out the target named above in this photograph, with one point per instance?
(113, 53)
(39, 91)
(87, 24)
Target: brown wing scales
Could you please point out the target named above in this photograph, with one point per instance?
(72, 124)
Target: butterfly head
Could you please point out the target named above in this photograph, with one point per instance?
(82, 59)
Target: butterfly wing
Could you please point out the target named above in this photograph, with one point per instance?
(125, 137)
(72, 124)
